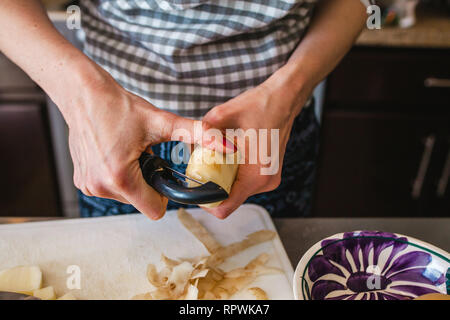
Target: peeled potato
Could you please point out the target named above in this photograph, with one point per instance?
(23, 279)
(47, 293)
(209, 165)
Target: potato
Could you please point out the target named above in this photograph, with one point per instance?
(47, 293)
(22, 279)
(208, 165)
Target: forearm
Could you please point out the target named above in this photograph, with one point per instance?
(30, 40)
(335, 26)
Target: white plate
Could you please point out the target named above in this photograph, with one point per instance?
(370, 265)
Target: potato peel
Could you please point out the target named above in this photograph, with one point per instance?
(259, 293)
(200, 277)
(198, 231)
(252, 239)
(192, 293)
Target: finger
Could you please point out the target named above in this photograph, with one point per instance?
(175, 128)
(240, 192)
(221, 116)
(101, 193)
(191, 132)
(145, 199)
(117, 197)
(215, 138)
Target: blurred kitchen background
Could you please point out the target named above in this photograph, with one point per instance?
(385, 115)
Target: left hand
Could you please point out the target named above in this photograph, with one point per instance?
(272, 105)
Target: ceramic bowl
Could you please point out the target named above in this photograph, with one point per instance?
(371, 265)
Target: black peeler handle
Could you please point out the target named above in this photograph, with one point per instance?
(161, 179)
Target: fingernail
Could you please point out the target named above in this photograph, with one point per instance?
(229, 145)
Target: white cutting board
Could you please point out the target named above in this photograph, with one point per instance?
(113, 252)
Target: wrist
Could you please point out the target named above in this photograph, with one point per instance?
(77, 79)
(75, 75)
(293, 85)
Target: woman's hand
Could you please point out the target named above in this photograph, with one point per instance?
(272, 105)
(275, 103)
(109, 128)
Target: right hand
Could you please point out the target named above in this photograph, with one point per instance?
(109, 128)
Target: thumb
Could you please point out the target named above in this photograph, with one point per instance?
(217, 123)
(240, 191)
(197, 132)
(216, 139)
(178, 128)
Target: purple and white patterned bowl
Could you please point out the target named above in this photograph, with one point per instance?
(371, 265)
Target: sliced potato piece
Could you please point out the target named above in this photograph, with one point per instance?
(67, 296)
(22, 279)
(192, 293)
(47, 293)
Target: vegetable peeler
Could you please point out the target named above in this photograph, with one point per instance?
(169, 182)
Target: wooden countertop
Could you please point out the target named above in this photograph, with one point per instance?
(432, 30)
